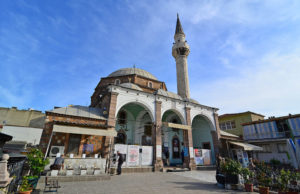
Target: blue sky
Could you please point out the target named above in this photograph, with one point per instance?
(244, 54)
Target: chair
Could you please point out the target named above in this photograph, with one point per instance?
(50, 184)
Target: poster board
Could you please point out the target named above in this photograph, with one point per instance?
(158, 151)
(198, 157)
(191, 152)
(206, 154)
(147, 153)
(133, 155)
(122, 148)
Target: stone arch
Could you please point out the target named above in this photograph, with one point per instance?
(182, 120)
(133, 130)
(202, 128)
(168, 135)
(143, 104)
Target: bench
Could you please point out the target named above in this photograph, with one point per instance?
(51, 184)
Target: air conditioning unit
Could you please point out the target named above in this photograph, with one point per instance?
(55, 150)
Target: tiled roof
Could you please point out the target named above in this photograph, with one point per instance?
(235, 114)
(80, 111)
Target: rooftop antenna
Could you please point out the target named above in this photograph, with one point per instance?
(134, 68)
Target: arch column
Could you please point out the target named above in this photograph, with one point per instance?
(111, 122)
(156, 138)
(216, 135)
(188, 141)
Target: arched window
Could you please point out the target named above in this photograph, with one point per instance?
(117, 82)
(122, 117)
(121, 137)
(150, 85)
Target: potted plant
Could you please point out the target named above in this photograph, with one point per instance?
(36, 164)
(25, 187)
(248, 177)
(232, 169)
(264, 182)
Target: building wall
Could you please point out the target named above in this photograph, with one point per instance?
(62, 139)
(239, 120)
(25, 118)
(272, 153)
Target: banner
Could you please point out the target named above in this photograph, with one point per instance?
(147, 155)
(133, 155)
(158, 151)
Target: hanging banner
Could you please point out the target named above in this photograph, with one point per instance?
(133, 155)
(191, 152)
(147, 155)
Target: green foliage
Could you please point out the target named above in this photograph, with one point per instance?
(36, 161)
(283, 179)
(231, 167)
(247, 175)
(25, 186)
(275, 162)
(264, 180)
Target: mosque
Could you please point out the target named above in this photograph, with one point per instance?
(138, 110)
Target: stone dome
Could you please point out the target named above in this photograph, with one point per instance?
(131, 86)
(130, 71)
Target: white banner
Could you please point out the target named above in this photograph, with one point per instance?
(158, 151)
(147, 155)
(133, 155)
(122, 148)
(191, 152)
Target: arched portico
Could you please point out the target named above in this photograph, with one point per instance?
(201, 132)
(172, 138)
(134, 123)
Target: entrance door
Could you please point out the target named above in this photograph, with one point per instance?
(74, 143)
(176, 147)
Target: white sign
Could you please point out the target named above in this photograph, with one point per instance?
(147, 155)
(191, 152)
(122, 148)
(158, 151)
(133, 155)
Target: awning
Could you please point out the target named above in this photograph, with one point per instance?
(177, 126)
(247, 147)
(84, 130)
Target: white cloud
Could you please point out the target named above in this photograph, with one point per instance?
(271, 88)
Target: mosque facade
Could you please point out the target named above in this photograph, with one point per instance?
(143, 112)
(133, 110)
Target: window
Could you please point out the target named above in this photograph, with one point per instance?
(227, 125)
(150, 85)
(281, 147)
(122, 118)
(117, 82)
(266, 148)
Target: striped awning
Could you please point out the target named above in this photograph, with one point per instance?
(84, 130)
(247, 146)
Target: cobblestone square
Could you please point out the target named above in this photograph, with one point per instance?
(149, 183)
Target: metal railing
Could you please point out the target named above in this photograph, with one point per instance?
(15, 169)
(268, 135)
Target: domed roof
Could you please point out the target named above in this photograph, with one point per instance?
(130, 71)
(131, 86)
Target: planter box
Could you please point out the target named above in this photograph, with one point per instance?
(97, 171)
(263, 190)
(54, 172)
(83, 172)
(232, 179)
(69, 172)
(249, 187)
(220, 179)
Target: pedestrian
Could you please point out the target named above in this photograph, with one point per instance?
(182, 155)
(167, 157)
(120, 162)
(58, 163)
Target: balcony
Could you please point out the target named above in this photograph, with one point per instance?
(268, 135)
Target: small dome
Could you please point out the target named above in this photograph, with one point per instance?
(131, 86)
(130, 71)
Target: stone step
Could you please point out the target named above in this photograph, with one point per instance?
(134, 169)
(175, 169)
(210, 167)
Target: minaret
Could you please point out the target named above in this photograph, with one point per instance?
(180, 51)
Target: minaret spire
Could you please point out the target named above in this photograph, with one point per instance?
(178, 29)
(180, 52)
